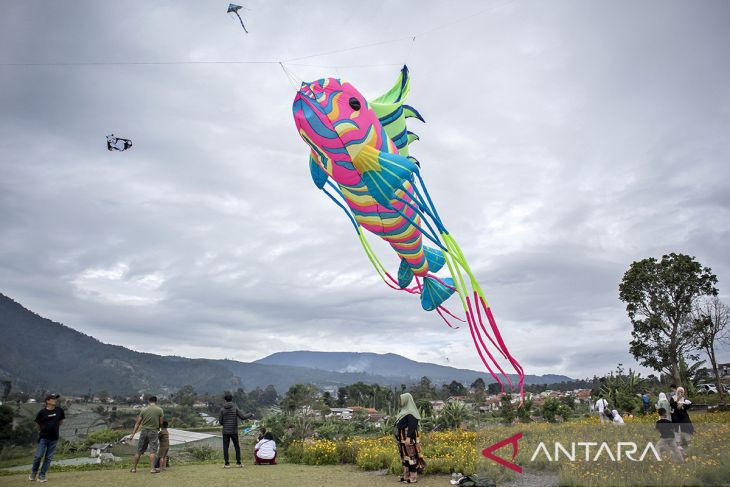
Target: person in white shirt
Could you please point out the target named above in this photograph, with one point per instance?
(265, 450)
(601, 406)
(617, 419)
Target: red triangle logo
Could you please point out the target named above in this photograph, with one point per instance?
(512, 440)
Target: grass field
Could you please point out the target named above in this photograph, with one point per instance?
(215, 475)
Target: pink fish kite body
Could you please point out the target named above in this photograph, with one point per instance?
(359, 150)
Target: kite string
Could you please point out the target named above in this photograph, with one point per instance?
(410, 48)
(293, 81)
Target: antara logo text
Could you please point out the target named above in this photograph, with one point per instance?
(588, 451)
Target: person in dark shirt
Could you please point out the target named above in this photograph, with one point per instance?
(666, 431)
(229, 416)
(48, 421)
(409, 446)
(680, 417)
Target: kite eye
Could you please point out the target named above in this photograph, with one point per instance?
(354, 103)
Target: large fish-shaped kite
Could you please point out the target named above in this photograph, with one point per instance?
(359, 150)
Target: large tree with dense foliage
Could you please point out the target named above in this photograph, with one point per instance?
(659, 297)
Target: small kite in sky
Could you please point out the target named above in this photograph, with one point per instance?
(359, 150)
(233, 8)
(117, 143)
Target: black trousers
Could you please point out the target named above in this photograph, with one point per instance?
(234, 438)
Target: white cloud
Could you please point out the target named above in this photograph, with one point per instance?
(562, 142)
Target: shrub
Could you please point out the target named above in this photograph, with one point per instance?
(202, 453)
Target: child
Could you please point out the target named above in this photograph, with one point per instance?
(666, 430)
(164, 447)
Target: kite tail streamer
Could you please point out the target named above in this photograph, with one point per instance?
(241, 20)
(458, 266)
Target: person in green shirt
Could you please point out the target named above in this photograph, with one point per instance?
(148, 422)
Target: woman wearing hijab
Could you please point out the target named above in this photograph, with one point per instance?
(680, 417)
(409, 447)
(617, 419)
(663, 402)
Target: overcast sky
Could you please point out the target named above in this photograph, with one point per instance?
(564, 140)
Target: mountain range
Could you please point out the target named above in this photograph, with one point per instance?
(39, 354)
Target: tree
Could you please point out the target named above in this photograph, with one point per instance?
(300, 395)
(6, 425)
(549, 409)
(478, 387)
(494, 388)
(185, 396)
(524, 411)
(454, 389)
(328, 400)
(621, 390)
(710, 326)
(7, 387)
(424, 389)
(507, 409)
(453, 415)
(659, 297)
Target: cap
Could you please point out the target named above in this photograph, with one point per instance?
(52, 396)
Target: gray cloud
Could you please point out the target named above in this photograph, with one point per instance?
(563, 142)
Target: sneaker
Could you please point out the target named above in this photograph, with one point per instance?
(31, 477)
(226, 466)
(239, 465)
(42, 478)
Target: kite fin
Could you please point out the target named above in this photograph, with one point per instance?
(411, 112)
(414, 160)
(435, 292)
(405, 274)
(412, 137)
(392, 113)
(435, 259)
(319, 176)
(383, 173)
(399, 91)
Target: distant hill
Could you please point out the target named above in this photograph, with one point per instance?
(40, 354)
(394, 368)
(37, 353)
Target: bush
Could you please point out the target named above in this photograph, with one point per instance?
(202, 453)
(335, 429)
(549, 409)
(313, 452)
(104, 436)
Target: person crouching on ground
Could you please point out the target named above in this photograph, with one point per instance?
(228, 418)
(48, 421)
(616, 417)
(409, 446)
(265, 450)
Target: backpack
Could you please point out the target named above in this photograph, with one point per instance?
(475, 481)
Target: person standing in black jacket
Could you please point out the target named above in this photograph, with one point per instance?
(229, 416)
